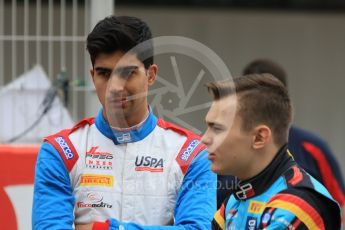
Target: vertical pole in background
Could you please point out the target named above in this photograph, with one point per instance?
(14, 55)
(38, 32)
(26, 33)
(62, 35)
(98, 10)
(74, 44)
(86, 31)
(14, 41)
(87, 62)
(26, 48)
(50, 39)
(38, 36)
(74, 59)
(2, 51)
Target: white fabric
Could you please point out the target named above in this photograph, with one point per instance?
(20, 103)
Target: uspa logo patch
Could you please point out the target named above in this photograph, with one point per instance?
(148, 163)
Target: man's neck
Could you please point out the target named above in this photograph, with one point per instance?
(261, 159)
(127, 122)
(132, 124)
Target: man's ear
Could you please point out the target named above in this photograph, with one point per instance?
(262, 135)
(92, 72)
(151, 74)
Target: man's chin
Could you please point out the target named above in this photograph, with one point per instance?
(216, 169)
(220, 171)
(117, 115)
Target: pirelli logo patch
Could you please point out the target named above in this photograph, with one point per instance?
(256, 207)
(96, 180)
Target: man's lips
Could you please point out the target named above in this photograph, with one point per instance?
(118, 101)
(211, 156)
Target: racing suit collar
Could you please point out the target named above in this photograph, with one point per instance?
(134, 134)
(261, 182)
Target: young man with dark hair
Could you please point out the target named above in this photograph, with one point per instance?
(126, 168)
(273, 193)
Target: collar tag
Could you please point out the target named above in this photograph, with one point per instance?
(123, 137)
(246, 191)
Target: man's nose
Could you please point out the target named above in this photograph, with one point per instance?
(206, 139)
(116, 84)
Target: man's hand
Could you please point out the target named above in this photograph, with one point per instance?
(83, 226)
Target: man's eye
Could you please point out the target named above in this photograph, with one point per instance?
(126, 73)
(104, 73)
(217, 129)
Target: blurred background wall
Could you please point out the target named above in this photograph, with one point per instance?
(308, 43)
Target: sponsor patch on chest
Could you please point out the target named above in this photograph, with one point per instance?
(96, 180)
(93, 200)
(95, 159)
(149, 163)
(251, 223)
(256, 207)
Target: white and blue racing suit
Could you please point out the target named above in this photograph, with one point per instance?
(155, 176)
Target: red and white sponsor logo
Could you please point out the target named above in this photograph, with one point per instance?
(93, 200)
(91, 205)
(93, 197)
(98, 160)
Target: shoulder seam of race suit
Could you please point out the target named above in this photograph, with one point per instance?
(190, 149)
(299, 207)
(61, 142)
(326, 173)
(82, 123)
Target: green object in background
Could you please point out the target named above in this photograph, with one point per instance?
(79, 82)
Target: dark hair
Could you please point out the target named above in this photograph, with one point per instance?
(120, 33)
(266, 66)
(261, 99)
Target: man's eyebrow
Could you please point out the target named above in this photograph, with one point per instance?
(103, 69)
(122, 68)
(214, 124)
(210, 123)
